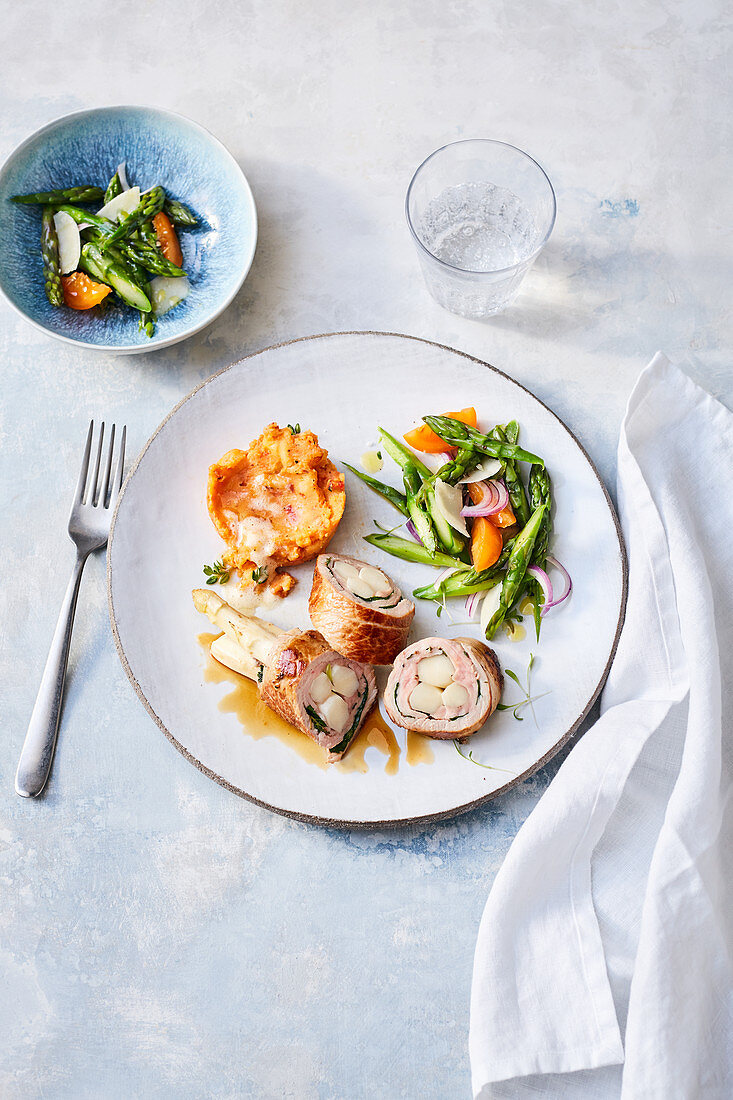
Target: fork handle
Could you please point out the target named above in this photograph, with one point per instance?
(40, 740)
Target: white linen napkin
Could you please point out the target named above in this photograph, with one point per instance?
(607, 937)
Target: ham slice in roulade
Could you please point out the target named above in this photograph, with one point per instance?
(444, 688)
(300, 676)
(361, 612)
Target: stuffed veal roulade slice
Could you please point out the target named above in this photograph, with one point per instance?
(359, 609)
(444, 688)
(300, 677)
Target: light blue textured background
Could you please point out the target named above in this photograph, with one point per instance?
(159, 937)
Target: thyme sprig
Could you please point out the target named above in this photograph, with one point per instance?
(216, 573)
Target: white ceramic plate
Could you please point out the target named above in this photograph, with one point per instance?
(343, 386)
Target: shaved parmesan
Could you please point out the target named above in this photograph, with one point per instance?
(67, 232)
(449, 501)
(489, 467)
(124, 203)
(490, 606)
(165, 292)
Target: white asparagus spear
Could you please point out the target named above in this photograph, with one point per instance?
(250, 639)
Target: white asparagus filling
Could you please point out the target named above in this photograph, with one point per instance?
(437, 687)
(366, 583)
(329, 692)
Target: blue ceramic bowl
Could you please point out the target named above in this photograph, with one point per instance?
(159, 148)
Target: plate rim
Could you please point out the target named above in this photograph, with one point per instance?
(138, 349)
(347, 823)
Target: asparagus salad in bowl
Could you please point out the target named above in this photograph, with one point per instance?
(128, 248)
(123, 228)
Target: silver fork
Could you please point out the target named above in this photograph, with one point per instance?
(89, 523)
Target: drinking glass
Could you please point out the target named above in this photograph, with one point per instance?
(480, 212)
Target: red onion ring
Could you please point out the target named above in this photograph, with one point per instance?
(566, 576)
(471, 601)
(413, 531)
(545, 584)
(494, 499)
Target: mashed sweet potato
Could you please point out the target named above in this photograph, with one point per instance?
(277, 503)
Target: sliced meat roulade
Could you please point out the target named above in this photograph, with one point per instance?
(359, 609)
(317, 690)
(300, 676)
(444, 688)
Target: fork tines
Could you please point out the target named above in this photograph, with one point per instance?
(95, 491)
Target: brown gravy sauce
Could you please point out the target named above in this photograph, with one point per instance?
(258, 721)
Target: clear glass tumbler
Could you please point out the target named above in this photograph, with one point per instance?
(480, 212)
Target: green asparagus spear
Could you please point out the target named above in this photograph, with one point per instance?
(114, 188)
(150, 204)
(414, 472)
(466, 460)
(394, 496)
(513, 478)
(83, 217)
(50, 253)
(465, 581)
(540, 492)
(402, 455)
(82, 193)
(146, 233)
(151, 259)
(179, 214)
(108, 270)
(413, 551)
(415, 507)
(516, 569)
(456, 434)
(146, 325)
(450, 540)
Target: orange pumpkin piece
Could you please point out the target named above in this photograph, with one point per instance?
(167, 239)
(81, 292)
(424, 438)
(486, 543)
(504, 518)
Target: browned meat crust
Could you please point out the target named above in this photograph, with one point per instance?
(357, 630)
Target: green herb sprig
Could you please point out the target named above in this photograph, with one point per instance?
(478, 763)
(529, 699)
(295, 429)
(216, 573)
(259, 574)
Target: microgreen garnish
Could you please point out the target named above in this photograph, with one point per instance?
(478, 763)
(295, 429)
(387, 530)
(216, 573)
(529, 699)
(259, 574)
